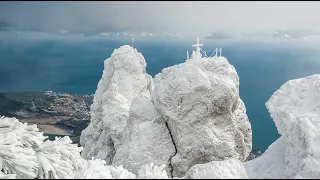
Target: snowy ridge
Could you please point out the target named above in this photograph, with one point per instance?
(271, 164)
(295, 109)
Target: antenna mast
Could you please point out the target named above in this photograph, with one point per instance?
(132, 41)
(187, 54)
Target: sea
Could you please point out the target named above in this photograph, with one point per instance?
(75, 65)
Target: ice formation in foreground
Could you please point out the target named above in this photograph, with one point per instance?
(25, 154)
(295, 109)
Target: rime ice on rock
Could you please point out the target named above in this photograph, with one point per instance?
(196, 101)
(199, 99)
(227, 169)
(125, 127)
(295, 109)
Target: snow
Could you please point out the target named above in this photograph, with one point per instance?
(94, 169)
(59, 159)
(120, 173)
(227, 169)
(146, 139)
(125, 128)
(199, 99)
(151, 171)
(271, 164)
(21, 157)
(295, 109)
(7, 176)
(24, 152)
(16, 153)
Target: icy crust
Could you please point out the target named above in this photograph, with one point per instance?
(295, 109)
(17, 157)
(199, 99)
(271, 164)
(146, 139)
(227, 169)
(118, 122)
(25, 154)
(109, 112)
(151, 171)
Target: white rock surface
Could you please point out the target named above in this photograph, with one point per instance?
(295, 109)
(227, 169)
(122, 131)
(199, 99)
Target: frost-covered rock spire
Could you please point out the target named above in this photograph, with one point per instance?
(125, 128)
(191, 114)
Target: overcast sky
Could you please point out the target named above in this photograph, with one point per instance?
(157, 16)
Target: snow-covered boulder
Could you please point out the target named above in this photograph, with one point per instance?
(125, 127)
(199, 99)
(227, 169)
(295, 109)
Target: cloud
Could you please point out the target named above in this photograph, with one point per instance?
(160, 16)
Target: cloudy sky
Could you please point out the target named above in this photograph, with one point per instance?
(157, 16)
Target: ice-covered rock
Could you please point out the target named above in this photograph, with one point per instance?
(295, 109)
(119, 172)
(227, 169)
(125, 128)
(146, 138)
(151, 171)
(94, 169)
(192, 115)
(199, 99)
